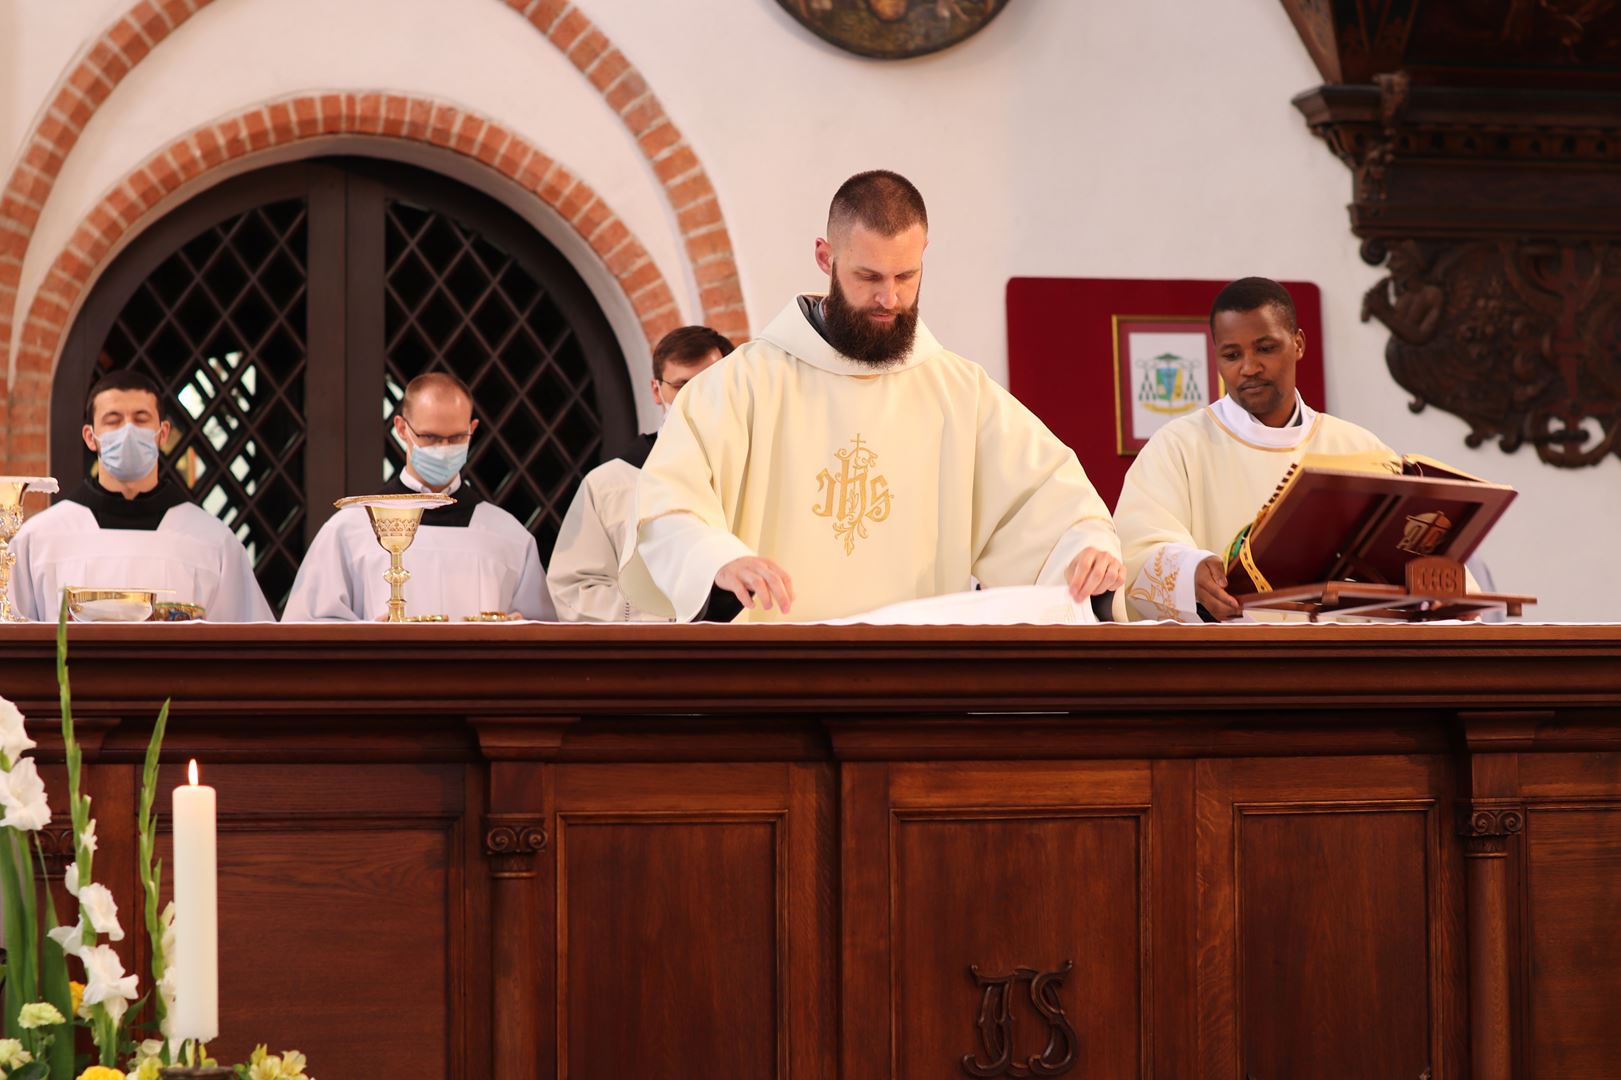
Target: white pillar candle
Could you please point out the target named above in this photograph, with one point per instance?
(196, 923)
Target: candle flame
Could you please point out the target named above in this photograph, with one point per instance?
(191, 771)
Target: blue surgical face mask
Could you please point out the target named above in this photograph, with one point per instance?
(438, 465)
(128, 453)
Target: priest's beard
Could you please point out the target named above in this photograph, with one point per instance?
(854, 333)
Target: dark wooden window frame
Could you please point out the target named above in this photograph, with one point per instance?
(344, 380)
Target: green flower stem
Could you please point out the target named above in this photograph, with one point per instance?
(152, 869)
(18, 990)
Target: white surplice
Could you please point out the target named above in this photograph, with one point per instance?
(191, 553)
(1201, 479)
(869, 487)
(489, 564)
(597, 532)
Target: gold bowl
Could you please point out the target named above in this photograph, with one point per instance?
(87, 604)
(494, 616)
(175, 611)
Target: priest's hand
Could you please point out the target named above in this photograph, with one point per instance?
(1094, 571)
(1210, 589)
(752, 578)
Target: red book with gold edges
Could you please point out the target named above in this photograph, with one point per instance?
(1362, 518)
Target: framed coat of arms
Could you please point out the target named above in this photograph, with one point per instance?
(893, 29)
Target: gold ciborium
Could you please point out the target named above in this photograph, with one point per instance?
(394, 521)
(11, 519)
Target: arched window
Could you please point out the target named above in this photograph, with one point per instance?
(284, 311)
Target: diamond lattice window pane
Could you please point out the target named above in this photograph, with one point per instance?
(219, 325)
(457, 302)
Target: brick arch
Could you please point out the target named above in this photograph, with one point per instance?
(88, 83)
(128, 205)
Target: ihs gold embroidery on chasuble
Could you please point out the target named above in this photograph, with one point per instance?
(854, 496)
(869, 486)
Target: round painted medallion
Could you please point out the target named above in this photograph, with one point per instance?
(893, 29)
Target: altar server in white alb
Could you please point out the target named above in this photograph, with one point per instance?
(467, 558)
(600, 525)
(845, 460)
(124, 527)
(1203, 477)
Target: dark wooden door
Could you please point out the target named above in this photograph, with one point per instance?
(283, 312)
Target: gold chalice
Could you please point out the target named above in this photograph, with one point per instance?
(11, 519)
(394, 520)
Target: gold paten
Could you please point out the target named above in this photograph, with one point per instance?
(394, 521)
(494, 616)
(88, 603)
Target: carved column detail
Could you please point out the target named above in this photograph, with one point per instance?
(518, 812)
(511, 841)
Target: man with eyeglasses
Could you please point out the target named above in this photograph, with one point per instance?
(598, 527)
(467, 558)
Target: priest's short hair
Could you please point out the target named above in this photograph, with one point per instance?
(1250, 293)
(121, 379)
(688, 345)
(430, 381)
(883, 201)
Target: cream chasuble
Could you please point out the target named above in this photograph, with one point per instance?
(1200, 480)
(868, 487)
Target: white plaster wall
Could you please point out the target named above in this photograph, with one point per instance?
(1072, 137)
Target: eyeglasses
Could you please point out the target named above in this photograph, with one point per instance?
(429, 439)
(676, 386)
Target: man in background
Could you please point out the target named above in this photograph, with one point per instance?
(599, 527)
(467, 558)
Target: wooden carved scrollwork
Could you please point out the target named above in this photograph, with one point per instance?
(512, 841)
(1486, 829)
(1486, 179)
(996, 1027)
(56, 848)
(1521, 339)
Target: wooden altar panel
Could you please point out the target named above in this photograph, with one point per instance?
(341, 900)
(1573, 894)
(1327, 945)
(1002, 865)
(688, 926)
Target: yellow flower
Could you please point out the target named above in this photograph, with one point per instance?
(76, 993)
(39, 1014)
(149, 1069)
(101, 1072)
(13, 1056)
(292, 1064)
(266, 1068)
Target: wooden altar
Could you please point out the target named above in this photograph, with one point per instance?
(808, 852)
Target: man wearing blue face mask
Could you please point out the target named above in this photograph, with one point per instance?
(467, 558)
(124, 527)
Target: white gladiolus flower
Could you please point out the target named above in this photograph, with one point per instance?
(96, 903)
(71, 938)
(22, 793)
(13, 739)
(88, 839)
(105, 981)
(70, 879)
